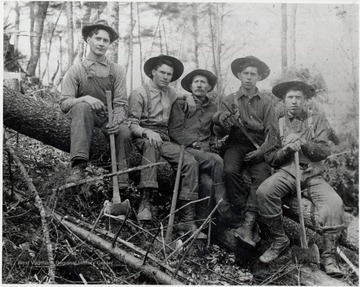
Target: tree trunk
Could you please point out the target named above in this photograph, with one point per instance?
(113, 8)
(36, 35)
(194, 18)
(292, 36)
(139, 39)
(70, 33)
(283, 36)
(50, 42)
(17, 26)
(131, 46)
(81, 50)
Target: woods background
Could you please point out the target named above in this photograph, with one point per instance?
(320, 42)
(322, 38)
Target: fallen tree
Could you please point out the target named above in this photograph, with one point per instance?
(44, 121)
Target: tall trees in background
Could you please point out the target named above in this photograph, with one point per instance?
(39, 9)
(70, 33)
(288, 36)
(113, 19)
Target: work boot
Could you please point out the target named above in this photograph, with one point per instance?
(76, 174)
(247, 229)
(280, 240)
(328, 259)
(144, 212)
(187, 221)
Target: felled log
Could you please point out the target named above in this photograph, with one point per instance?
(350, 237)
(45, 122)
(118, 253)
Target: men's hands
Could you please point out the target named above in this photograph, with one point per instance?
(112, 128)
(227, 121)
(95, 103)
(293, 142)
(190, 106)
(254, 156)
(154, 138)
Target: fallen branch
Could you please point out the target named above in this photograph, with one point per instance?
(68, 185)
(118, 253)
(40, 206)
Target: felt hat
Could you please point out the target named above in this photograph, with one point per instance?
(263, 69)
(187, 80)
(102, 24)
(280, 89)
(177, 64)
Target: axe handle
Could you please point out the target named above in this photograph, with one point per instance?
(170, 227)
(116, 193)
(298, 193)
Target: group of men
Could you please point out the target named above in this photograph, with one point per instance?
(157, 120)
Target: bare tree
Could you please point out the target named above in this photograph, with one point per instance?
(17, 26)
(70, 33)
(139, 39)
(292, 36)
(39, 9)
(194, 19)
(284, 36)
(113, 8)
(81, 47)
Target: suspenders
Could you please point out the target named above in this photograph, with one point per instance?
(147, 90)
(309, 123)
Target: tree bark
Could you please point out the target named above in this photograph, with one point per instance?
(36, 36)
(113, 8)
(17, 26)
(292, 36)
(70, 33)
(283, 36)
(194, 18)
(139, 39)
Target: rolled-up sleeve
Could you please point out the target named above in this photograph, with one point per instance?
(135, 110)
(120, 101)
(69, 86)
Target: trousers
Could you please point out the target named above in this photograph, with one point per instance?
(234, 164)
(211, 183)
(329, 208)
(83, 121)
(170, 152)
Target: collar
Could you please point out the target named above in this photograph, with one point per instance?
(155, 89)
(90, 62)
(241, 93)
(201, 100)
(302, 116)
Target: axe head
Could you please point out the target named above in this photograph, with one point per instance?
(119, 209)
(306, 255)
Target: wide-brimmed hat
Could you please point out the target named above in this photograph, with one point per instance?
(187, 80)
(263, 69)
(102, 24)
(178, 66)
(280, 89)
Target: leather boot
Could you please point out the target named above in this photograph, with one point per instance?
(246, 231)
(76, 174)
(187, 221)
(144, 212)
(280, 240)
(328, 257)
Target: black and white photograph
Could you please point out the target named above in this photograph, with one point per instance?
(180, 143)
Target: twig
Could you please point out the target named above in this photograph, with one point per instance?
(340, 153)
(82, 279)
(40, 206)
(151, 244)
(68, 185)
(196, 234)
(121, 227)
(343, 256)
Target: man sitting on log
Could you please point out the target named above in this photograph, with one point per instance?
(149, 112)
(196, 134)
(83, 98)
(306, 133)
(247, 116)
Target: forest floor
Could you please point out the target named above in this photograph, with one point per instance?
(25, 254)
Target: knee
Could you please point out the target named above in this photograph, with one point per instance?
(264, 192)
(217, 160)
(124, 133)
(190, 163)
(81, 108)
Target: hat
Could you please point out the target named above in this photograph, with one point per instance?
(280, 89)
(102, 24)
(263, 69)
(178, 66)
(187, 80)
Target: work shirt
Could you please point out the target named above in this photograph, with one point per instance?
(257, 115)
(150, 108)
(76, 76)
(314, 131)
(196, 130)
